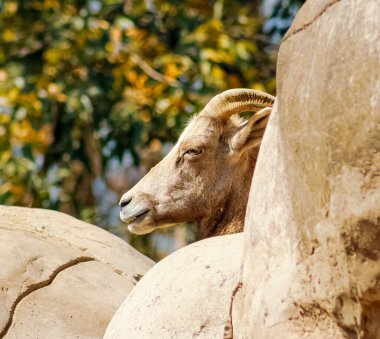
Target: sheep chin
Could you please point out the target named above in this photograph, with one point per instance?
(140, 229)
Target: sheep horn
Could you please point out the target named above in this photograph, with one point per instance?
(235, 101)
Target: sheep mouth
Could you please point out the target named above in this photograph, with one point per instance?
(134, 218)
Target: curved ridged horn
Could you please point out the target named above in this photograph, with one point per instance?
(234, 101)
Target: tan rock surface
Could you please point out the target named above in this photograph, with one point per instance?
(312, 242)
(60, 277)
(185, 295)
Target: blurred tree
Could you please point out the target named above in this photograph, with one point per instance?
(85, 81)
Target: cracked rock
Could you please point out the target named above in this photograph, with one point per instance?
(60, 277)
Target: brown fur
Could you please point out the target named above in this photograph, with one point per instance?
(229, 217)
(210, 188)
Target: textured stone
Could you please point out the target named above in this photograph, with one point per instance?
(60, 277)
(312, 233)
(183, 296)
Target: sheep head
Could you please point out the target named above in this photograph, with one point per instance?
(194, 180)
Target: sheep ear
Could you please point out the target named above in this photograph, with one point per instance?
(251, 133)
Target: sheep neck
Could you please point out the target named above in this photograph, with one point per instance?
(229, 216)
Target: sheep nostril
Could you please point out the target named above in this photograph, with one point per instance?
(124, 203)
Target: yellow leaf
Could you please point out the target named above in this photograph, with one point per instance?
(172, 71)
(8, 35)
(52, 55)
(144, 116)
(5, 156)
(109, 47)
(217, 56)
(258, 86)
(10, 7)
(6, 187)
(131, 76)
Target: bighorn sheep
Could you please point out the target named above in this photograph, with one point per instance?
(206, 177)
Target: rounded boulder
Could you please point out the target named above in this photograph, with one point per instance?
(183, 296)
(61, 277)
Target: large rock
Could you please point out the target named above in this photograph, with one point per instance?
(312, 241)
(185, 295)
(60, 277)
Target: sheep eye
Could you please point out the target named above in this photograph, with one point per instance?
(193, 151)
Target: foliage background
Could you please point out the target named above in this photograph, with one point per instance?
(93, 93)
